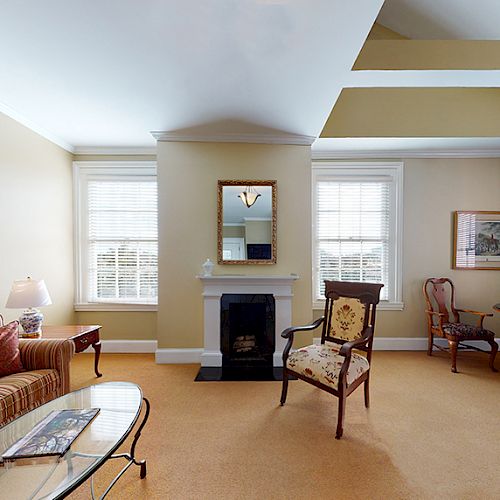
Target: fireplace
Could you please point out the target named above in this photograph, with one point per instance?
(248, 356)
(247, 328)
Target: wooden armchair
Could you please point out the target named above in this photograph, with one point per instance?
(348, 323)
(439, 294)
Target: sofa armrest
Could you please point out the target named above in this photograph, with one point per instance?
(39, 354)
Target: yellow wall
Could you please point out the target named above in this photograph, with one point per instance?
(258, 231)
(233, 231)
(415, 112)
(36, 218)
(433, 190)
(121, 325)
(187, 177)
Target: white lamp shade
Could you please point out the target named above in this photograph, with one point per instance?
(28, 293)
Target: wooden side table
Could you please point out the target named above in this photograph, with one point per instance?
(82, 335)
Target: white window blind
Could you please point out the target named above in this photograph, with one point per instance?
(355, 229)
(119, 237)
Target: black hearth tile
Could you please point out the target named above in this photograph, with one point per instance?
(249, 374)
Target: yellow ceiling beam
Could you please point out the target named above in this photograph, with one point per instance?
(428, 54)
(415, 112)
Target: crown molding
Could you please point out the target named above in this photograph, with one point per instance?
(405, 147)
(408, 153)
(291, 139)
(114, 150)
(18, 117)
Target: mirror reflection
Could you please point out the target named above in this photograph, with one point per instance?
(246, 222)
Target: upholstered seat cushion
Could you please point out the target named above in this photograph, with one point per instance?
(463, 330)
(24, 391)
(323, 363)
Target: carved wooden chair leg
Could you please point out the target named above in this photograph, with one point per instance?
(340, 420)
(430, 342)
(493, 353)
(284, 389)
(367, 393)
(453, 350)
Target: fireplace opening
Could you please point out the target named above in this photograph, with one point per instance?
(247, 330)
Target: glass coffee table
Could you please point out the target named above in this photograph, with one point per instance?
(120, 405)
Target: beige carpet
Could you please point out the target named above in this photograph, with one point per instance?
(428, 434)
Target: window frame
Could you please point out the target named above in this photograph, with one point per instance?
(334, 170)
(81, 172)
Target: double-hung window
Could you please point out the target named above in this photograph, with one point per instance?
(116, 236)
(357, 227)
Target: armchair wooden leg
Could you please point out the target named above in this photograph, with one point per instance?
(453, 350)
(430, 342)
(493, 353)
(367, 393)
(340, 420)
(284, 389)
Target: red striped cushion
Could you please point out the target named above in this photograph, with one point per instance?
(10, 359)
(22, 392)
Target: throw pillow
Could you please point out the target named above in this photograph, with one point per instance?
(10, 357)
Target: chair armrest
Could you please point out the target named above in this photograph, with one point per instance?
(481, 315)
(39, 354)
(347, 347)
(439, 315)
(435, 313)
(290, 331)
(470, 311)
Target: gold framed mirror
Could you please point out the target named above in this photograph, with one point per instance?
(246, 222)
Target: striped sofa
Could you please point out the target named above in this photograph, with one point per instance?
(46, 376)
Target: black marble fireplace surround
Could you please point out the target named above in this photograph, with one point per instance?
(247, 329)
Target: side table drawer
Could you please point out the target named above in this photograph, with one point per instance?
(83, 342)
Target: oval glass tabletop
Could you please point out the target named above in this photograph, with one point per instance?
(52, 477)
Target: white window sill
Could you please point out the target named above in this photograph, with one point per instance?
(102, 306)
(383, 305)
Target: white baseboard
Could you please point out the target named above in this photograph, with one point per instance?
(409, 343)
(211, 358)
(174, 356)
(129, 346)
(194, 355)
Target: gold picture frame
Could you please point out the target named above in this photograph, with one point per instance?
(244, 183)
(476, 241)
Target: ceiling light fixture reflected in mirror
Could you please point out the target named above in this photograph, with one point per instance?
(248, 196)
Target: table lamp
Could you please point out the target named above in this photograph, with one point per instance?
(29, 293)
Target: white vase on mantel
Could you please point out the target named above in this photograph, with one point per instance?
(208, 267)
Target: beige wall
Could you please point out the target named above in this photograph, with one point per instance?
(433, 190)
(258, 231)
(36, 218)
(233, 231)
(121, 325)
(187, 177)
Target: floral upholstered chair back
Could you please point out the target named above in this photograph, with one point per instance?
(349, 310)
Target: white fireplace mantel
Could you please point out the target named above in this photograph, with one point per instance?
(213, 289)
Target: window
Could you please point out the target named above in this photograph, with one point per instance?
(116, 236)
(357, 234)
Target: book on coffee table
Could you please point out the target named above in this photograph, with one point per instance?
(53, 435)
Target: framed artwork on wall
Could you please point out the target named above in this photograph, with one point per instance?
(476, 243)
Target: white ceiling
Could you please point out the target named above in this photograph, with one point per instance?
(106, 73)
(443, 19)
